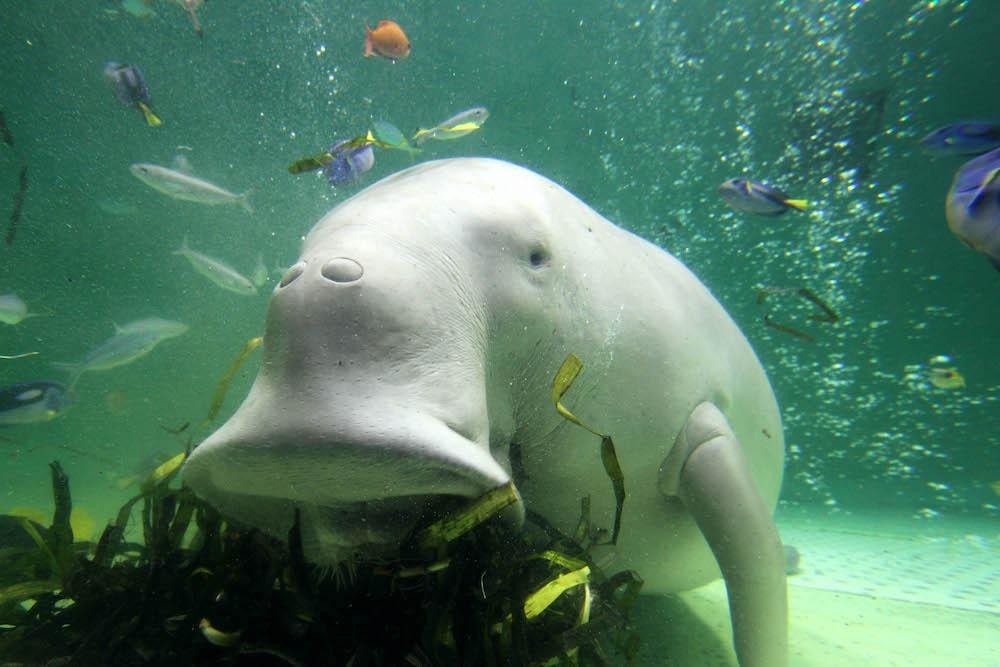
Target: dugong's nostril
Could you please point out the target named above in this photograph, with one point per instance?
(293, 272)
(342, 270)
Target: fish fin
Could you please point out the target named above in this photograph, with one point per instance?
(151, 118)
(182, 250)
(244, 200)
(797, 204)
(992, 176)
(369, 46)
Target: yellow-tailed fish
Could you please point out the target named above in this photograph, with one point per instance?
(459, 125)
(759, 198)
(131, 89)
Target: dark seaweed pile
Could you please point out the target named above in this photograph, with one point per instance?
(227, 595)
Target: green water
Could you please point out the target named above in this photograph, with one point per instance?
(641, 109)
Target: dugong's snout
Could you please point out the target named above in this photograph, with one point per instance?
(353, 486)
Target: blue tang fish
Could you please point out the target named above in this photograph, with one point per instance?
(131, 89)
(973, 137)
(973, 205)
(754, 197)
(349, 162)
(30, 402)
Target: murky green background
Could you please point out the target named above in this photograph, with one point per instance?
(641, 109)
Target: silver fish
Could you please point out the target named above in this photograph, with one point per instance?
(156, 325)
(217, 271)
(13, 310)
(186, 187)
(130, 342)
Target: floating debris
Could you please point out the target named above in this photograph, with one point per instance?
(826, 313)
(8, 137)
(176, 431)
(18, 356)
(784, 328)
(15, 214)
(223, 385)
(564, 377)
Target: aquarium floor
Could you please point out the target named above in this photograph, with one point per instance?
(874, 589)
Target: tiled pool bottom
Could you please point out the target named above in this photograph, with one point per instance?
(879, 590)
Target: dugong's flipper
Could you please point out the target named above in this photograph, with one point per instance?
(718, 490)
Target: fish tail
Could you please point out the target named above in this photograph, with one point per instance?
(419, 137)
(151, 118)
(797, 204)
(244, 200)
(75, 370)
(983, 191)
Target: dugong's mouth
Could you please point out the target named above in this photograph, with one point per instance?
(353, 494)
(370, 528)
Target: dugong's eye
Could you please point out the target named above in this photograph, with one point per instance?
(539, 257)
(293, 272)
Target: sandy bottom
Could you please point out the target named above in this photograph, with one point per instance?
(878, 590)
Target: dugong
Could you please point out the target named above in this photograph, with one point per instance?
(412, 348)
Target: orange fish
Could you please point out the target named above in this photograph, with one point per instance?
(387, 40)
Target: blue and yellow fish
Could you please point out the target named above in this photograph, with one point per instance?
(971, 137)
(30, 402)
(131, 89)
(750, 196)
(349, 162)
(973, 205)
